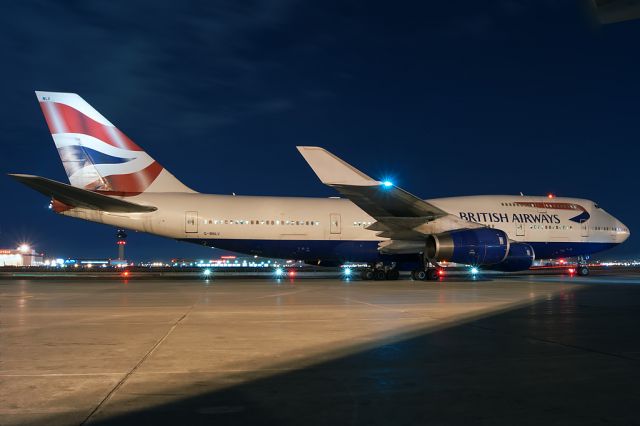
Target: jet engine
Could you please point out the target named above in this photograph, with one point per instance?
(482, 246)
(519, 258)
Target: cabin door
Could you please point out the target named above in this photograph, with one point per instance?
(335, 227)
(519, 229)
(190, 222)
(584, 228)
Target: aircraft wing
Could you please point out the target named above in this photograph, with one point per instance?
(398, 214)
(78, 197)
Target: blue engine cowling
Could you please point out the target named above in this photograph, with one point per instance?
(482, 246)
(519, 258)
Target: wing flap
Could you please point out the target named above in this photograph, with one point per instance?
(78, 197)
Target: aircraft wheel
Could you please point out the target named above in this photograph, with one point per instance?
(432, 274)
(421, 275)
(367, 275)
(379, 275)
(583, 271)
(393, 274)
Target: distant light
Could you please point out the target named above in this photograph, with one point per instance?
(206, 272)
(125, 274)
(387, 183)
(24, 248)
(572, 271)
(551, 195)
(279, 272)
(292, 273)
(347, 272)
(441, 272)
(474, 270)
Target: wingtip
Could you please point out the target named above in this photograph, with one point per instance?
(332, 170)
(20, 175)
(301, 148)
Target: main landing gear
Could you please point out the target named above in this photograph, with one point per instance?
(380, 273)
(428, 272)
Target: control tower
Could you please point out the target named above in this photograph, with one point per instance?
(121, 236)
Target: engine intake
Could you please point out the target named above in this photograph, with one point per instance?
(482, 246)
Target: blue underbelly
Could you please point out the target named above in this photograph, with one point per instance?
(367, 251)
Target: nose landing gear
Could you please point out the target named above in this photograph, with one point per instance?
(582, 269)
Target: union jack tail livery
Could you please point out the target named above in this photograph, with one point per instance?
(96, 155)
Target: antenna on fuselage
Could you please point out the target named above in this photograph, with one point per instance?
(521, 194)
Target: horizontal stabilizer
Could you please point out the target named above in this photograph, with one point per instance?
(78, 197)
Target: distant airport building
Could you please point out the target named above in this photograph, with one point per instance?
(94, 263)
(22, 256)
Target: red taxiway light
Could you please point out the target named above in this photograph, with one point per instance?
(125, 274)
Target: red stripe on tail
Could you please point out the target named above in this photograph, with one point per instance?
(70, 120)
(130, 184)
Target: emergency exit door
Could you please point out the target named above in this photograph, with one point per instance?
(190, 222)
(334, 221)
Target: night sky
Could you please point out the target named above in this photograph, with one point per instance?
(449, 98)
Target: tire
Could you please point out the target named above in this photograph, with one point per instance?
(421, 275)
(583, 271)
(432, 274)
(367, 275)
(379, 275)
(393, 274)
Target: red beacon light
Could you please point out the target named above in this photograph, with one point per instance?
(550, 195)
(125, 274)
(571, 271)
(441, 272)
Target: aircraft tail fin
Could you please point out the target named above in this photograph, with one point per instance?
(96, 155)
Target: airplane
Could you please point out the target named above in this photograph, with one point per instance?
(115, 182)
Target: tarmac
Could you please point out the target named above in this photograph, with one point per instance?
(526, 350)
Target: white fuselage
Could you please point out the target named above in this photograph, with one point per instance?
(310, 228)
